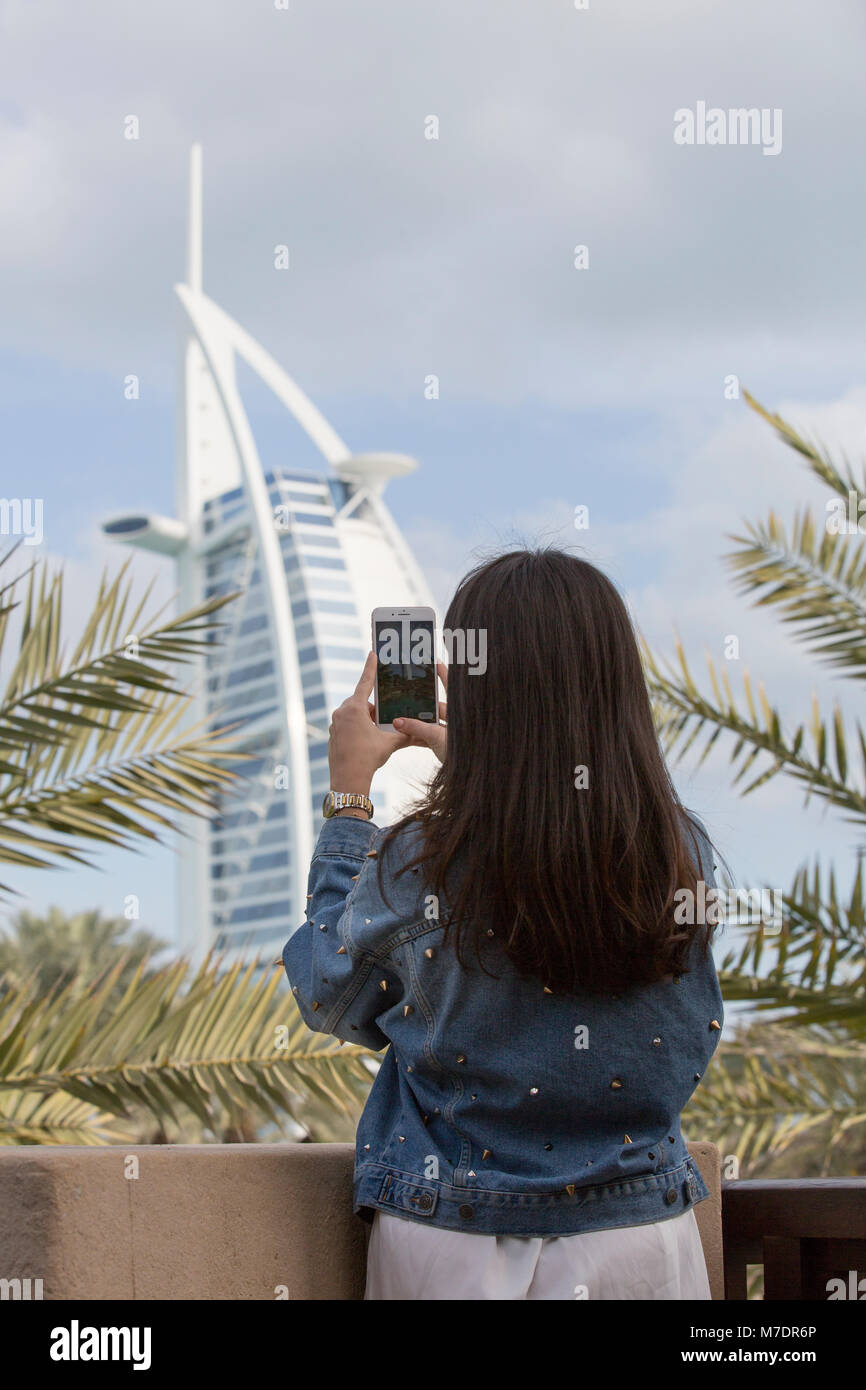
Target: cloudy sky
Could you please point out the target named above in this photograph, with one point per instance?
(454, 256)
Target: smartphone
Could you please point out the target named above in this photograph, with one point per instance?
(404, 640)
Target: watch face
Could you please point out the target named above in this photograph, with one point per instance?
(328, 804)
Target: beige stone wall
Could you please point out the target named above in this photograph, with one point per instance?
(222, 1221)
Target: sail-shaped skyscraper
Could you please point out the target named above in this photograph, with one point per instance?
(312, 554)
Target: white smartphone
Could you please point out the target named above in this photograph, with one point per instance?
(404, 640)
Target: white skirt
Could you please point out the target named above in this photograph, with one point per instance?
(664, 1260)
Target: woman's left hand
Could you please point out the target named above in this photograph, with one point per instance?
(357, 746)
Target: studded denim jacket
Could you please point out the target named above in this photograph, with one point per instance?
(498, 1107)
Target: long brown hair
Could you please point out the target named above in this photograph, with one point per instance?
(553, 821)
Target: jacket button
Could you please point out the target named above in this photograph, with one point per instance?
(425, 1201)
(467, 1212)
(670, 1196)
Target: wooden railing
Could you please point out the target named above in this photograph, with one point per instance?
(805, 1233)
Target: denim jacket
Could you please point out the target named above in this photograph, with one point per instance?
(498, 1107)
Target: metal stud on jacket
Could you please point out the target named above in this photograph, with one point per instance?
(481, 1065)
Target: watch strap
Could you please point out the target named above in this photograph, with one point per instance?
(342, 801)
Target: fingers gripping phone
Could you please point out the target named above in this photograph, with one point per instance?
(404, 643)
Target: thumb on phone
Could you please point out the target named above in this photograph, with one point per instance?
(421, 735)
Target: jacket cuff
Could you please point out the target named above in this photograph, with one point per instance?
(346, 833)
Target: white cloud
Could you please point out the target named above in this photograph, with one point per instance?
(454, 256)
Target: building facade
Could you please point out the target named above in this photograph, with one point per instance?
(311, 554)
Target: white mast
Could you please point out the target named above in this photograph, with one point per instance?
(193, 246)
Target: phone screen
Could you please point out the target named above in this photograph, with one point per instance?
(406, 674)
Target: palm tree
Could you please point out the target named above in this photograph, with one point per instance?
(220, 1045)
(93, 745)
(95, 748)
(54, 949)
(788, 1091)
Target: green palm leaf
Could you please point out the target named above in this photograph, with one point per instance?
(815, 754)
(218, 1044)
(790, 1087)
(98, 746)
(816, 578)
(769, 1093)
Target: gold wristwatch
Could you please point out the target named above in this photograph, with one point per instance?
(340, 801)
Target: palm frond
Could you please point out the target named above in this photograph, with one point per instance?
(841, 480)
(789, 1088)
(98, 748)
(220, 1045)
(687, 718)
(812, 971)
(818, 580)
(769, 1092)
(29, 1117)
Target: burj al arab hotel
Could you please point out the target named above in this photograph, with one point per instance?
(312, 554)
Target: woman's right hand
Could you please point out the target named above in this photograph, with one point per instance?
(432, 736)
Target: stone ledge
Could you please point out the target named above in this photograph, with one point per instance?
(208, 1221)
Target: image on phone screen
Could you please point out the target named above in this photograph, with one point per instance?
(406, 674)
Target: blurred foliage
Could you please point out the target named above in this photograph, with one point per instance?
(96, 1044)
(786, 1092)
(53, 949)
(181, 1054)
